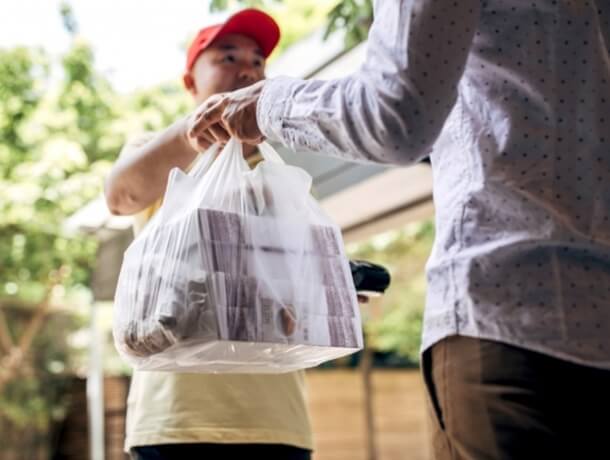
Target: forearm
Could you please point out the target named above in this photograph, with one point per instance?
(393, 108)
(348, 118)
(139, 178)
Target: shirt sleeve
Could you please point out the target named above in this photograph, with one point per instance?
(393, 108)
(603, 12)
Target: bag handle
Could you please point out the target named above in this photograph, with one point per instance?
(203, 162)
(269, 154)
(205, 159)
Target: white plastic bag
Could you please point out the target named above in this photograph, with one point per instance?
(239, 271)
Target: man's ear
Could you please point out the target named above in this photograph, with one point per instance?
(189, 83)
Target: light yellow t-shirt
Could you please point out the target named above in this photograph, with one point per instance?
(167, 408)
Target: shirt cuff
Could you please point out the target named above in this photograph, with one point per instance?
(273, 106)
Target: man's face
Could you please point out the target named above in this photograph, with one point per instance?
(231, 62)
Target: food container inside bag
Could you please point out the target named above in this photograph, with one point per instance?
(244, 273)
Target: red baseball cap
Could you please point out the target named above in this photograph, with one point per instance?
(250, 22)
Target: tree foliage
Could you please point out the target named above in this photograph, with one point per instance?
(394, 322)
(299, 17)
(61, 127)
(50, 165)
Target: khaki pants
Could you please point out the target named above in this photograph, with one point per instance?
(488, 400)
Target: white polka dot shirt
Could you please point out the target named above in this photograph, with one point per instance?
(511, 101)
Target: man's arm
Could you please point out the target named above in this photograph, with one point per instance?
(139, 177)
(394, 107)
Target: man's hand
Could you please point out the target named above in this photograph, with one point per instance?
(226, 115)
(214, 134)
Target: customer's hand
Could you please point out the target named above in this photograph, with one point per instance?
(227, 115)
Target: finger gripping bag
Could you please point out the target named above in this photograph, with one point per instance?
(239, 271)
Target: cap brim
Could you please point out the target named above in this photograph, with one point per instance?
(254, 24)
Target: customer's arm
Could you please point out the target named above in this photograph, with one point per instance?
(394, 107)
